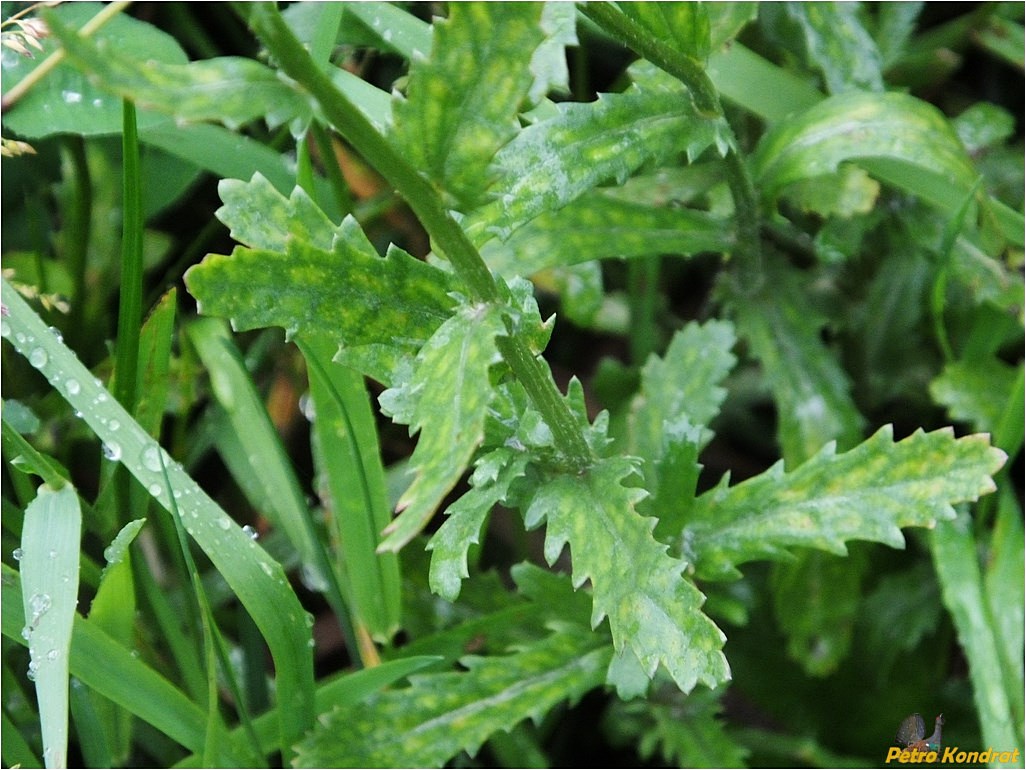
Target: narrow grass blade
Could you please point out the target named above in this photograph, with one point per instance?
(49, 571)
(113, 671)
(270, 465)
(255, 578)
(958, 569)
(347, 453)
(15, 749)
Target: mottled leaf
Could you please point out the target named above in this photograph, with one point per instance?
(810, 389)
(680, 393)
(491, 480)
(348, 292)
(231, 90)
(683, 26)
(447, 397)
(554, 161)
(868, 493)
(884, 132)
(837, 44)
(259, 216)
(597, 225)
(440, 715)
(463, 100)
(654, 612)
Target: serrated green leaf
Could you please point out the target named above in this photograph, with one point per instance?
(443, 714)
(597, 225)
(685, 382)
(65, 101)
(259, 216)
(684, 26)
(680, 393)
(463, 99)
(551, 163)
(231, 90)
(811, 390)
(876, 130)
(491, 480)
(653, 611)
(348, 293)
(838, 45)
(868, 493)
(448, 397)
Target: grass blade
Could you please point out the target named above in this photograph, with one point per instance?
(255, 578)
(347, 452)
(49, 570)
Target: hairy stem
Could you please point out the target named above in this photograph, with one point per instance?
(446, 234)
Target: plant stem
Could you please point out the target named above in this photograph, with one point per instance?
(447, 235)
(692, 74)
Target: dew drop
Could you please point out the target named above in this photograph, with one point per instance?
(52, 655)
(73, 387)
(20, 338)
(38, 358)
(249, 530)
(112, 451)
(267, 569)
(113, 425)
(224, 523)
(39, 603)
(26, 633)
(31, 673)
(5, 329)
(17, 553)
(155, 489)
(52, 554)
(56, 333)
(71, 97)
(151, 459)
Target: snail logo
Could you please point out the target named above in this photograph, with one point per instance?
(915, 749)
(911, 731)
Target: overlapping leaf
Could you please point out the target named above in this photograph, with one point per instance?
(491, 481)
(551, 163)
(348, 292)
(463, 99)
(653, 611)
(232, 90)
(597, 225)
(837, 44)
(868, 493)
(885, 132)
(680, 393)
(811, 390)
(443, 714)
(684, 26)
(447, 399)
